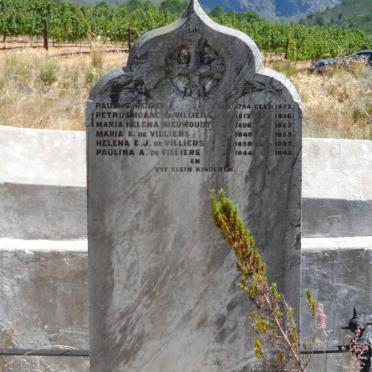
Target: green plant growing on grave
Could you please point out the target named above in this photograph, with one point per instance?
(277, 341)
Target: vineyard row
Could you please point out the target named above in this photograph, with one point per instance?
(72, 22)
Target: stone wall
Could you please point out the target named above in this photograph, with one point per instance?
(43, 264)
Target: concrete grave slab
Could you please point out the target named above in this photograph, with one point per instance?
(337, 270)
(339, 273)
(42, 184)
(44, 302)
(337, 192)
(336, 199)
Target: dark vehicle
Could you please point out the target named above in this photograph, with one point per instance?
(321, 65)
(366, 54)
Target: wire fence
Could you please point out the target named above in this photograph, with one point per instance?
(70, 352)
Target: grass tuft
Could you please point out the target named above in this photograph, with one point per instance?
(97, 56)
(48, 73)
(285, 67)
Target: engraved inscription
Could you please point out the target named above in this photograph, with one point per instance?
(151, 129)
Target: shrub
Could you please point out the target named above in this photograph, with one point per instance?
(48, 73)
(273, 321)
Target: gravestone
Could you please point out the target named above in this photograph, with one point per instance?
(193, 110)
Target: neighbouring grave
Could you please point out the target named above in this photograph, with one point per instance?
(193, 110)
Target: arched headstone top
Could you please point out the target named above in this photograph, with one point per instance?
(197, 51)
(195, 18)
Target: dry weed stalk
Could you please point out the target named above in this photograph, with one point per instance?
(97, 55)
(278, 341)
(358, 352)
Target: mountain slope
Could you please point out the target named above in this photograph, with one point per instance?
(267, 8)
(355, 14)
(270, 8)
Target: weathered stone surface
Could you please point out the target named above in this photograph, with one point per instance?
(337, 192)
(163, 285)
(44, 302)
(43, 364)
(330, 362)
(337, 169)
(318, 186)
(324, 271)
(338, 271)
(42, 212)
(51, 204)
(336, 217)
(42, 157)
(42, 184)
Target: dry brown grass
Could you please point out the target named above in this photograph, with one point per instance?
(337, 104)
(37, 91)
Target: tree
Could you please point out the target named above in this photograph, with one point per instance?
(133, 5)
(173, 6)
(217, 12)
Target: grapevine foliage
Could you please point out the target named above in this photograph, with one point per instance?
(73, 22)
